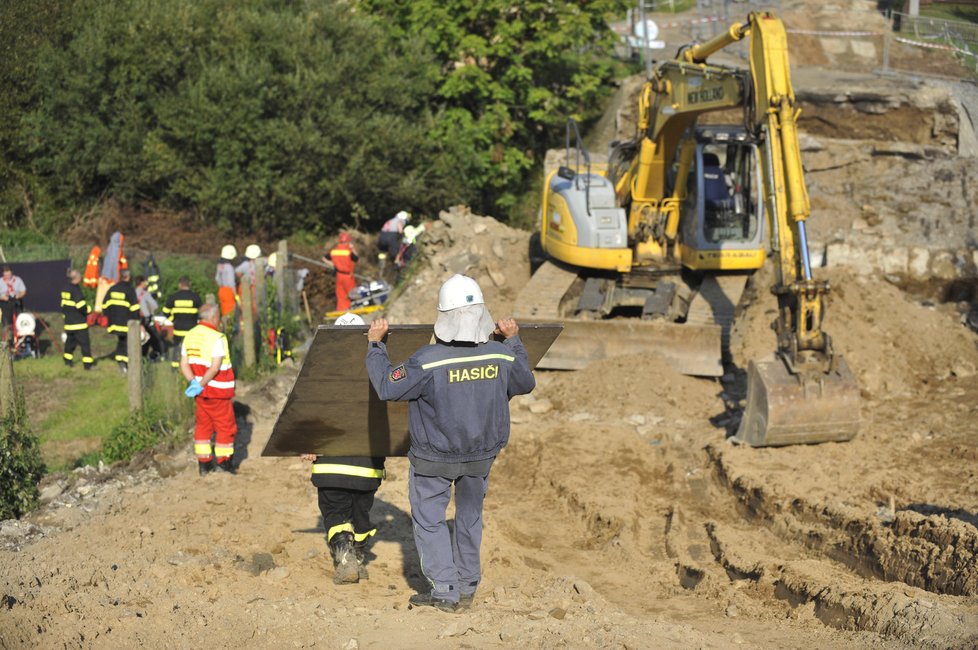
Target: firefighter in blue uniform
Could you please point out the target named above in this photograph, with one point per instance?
(458, 392)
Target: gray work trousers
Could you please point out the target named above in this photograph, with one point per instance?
(450, 562)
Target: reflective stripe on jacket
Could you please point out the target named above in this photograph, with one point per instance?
(182, 308)
(342, 258)
(74, 308)
(121, 306)
(198, 345)
(348, 472)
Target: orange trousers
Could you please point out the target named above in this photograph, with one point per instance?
(345, 283)
(215, 418)
(227, 300)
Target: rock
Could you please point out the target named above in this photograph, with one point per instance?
(497, 277)
(455, 628)
(480, 228)
(963, 368)
(85, 490)
(583, 589)
(731, 610)
(498, 250)
(499, 593)
(737, 639)
(352, 644)
(541, 406)
(582, 416)
(558, 613)
(51, 491)
(278, 573)
(636, 419)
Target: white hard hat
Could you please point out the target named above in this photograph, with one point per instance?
(253, 251)
(459, 291)
(229, 252)
(402, 215)
(349, 318)
(272, 259)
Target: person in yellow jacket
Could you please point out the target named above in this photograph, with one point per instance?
(205, 361)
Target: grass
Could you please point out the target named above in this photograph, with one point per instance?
(71, 411)
(960, 12)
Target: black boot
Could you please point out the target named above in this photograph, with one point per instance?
(206, 468)
(344, 559)
(227, 466)
(69, 363)
(359, 550)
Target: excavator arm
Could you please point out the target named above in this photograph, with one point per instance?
(808, 393)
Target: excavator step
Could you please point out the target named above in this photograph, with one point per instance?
(716, 302)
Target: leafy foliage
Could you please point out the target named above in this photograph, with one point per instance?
(511, 74)
(142, 430)
(270, 116)
(21, 466)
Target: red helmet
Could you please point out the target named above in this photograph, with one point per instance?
(345, 238)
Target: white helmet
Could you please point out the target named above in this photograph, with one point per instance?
(349, 318)
(459, 291)
(272, 259)
(229, 252)
(253, 251)
(402, 215)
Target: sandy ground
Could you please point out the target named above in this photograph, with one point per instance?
(619, 517)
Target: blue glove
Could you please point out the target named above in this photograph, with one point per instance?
(194, 389)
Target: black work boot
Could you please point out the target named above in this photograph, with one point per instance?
(359, 550)
(206, 468)
(431, 600)
(344, 559)
(465, 600)
(227, 466)
(69, 363)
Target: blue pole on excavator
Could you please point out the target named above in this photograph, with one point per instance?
(803, 244)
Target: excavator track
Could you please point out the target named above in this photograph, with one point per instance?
(691, 348)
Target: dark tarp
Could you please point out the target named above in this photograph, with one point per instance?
(332, 410)
(44, 281)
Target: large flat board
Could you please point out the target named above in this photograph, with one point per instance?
(332, 410)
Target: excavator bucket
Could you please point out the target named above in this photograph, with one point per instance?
(784, 410)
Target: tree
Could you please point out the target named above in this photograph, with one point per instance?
(512, 73)
(260, 115)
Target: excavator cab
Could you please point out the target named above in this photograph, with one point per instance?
(722, 215)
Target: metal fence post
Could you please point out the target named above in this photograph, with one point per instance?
(134, 350)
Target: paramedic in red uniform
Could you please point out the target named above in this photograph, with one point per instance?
(206, 363)
(343, 258)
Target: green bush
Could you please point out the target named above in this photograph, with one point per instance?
(142, 430)
(21, 466)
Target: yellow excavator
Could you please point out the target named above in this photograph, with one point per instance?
(651, 250)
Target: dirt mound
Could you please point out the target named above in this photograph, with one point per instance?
(893, 344)
(643, 389)
(492, 253)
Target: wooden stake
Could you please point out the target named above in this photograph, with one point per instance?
(7, 388)
(305, 301)
(134, 350)
(247, 322)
